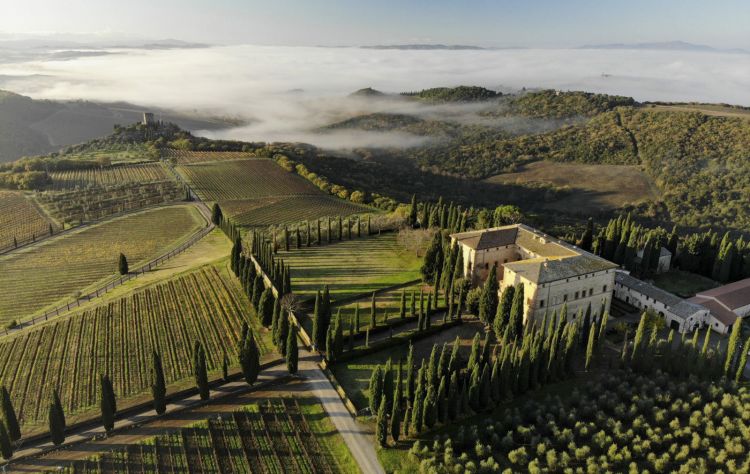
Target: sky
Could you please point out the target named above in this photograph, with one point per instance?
(500, 23)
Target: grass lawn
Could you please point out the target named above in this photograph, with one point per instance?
(683, 284)
(279, 210)
(354, 375)
(592, 187)
(56, 269)
(353, 267)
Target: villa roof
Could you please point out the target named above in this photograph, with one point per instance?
(657, 294)
(718, 311)
(550, 259)
(733, 296)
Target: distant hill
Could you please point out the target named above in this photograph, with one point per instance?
(35, 127)
(457, 47)
(665, 45)
(367, 92)
(454, 94)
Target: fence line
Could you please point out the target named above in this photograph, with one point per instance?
(102, 290)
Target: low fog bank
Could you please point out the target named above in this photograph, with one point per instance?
(285, 93)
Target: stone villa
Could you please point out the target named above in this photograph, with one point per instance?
(554, 273)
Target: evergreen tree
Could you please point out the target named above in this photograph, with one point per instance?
(6, 448)
(412, 304)
(225, 367)
(122, 265)
(9, 415)
(395, 421)
(410, 376)
(319, 327)
(59, 408)
(292, 351)
(639, 335)
(375, 390)
(265, 307)
(159, 386)
(433, 258)
(216, 215)
(429, 416)
(476, 354)
(200, 370)
(276, 323)
(258, 288)
(381, 426)
(515, 323)
(356, 318)
(402, 307)
(588, 236)
(734, 339)
(488, 299)
(373, 312)
(590, 346)
(283, 332)
(249, 358)
(743, 361)
(106, 403)
(412, 219)
(502, 317)
(56, 424)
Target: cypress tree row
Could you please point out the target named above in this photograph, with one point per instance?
(159, 387)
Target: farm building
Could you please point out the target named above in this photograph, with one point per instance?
(681, 315)
(554, 273)
(735, 297)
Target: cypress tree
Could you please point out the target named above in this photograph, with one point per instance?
(6, 448)
(588, 236)
(200, 370)
(412, 219)
(488, 299)
(743, 361)
(503, 311)
(249, 358)
(216, 215)
(639, 335)
(590, 346)
(475, 355)
(734, 339)
(341, 231)
(373, 312)
(485, 389)
(356, 318)
(429, 417)
(122, 265)
(297, 239)
(395, 421)
(275, 323)
(159, 386)
(258, 288)
(9, 415)
(319, 329)
(225, 367)
(375, 390)
(318, 240)
(106, 403)
(265, 307)
(402, 307)
(292, 351)
(602, 329)
(515, 323)
(381, 426)
(283, 332)
(407, 420)
(410, 376)
(308, 237)
(412, 304)
(388, 384)
(56, 424)
(59, 409)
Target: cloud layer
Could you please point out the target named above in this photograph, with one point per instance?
(284, 92)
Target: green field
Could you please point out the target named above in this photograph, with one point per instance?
(244, 179)
(386, 303)
(288, 209)
(587, 188)
(352, 267)
(119, 338)
(279, 435)
(56, 269)
(20, 218)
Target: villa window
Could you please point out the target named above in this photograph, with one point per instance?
(591, 291)
(576, 296)
(541, 303)
(605, 289)
(565, 297)
(486, 266)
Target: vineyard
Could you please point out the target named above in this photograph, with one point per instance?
(244, 179)
(118, 339)
(19, 219)
(108, 176)
(57, 268)
(621, 422)
(186, 157)
(92, 203)
(287, 210)
(274, 436)
(352, 267)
